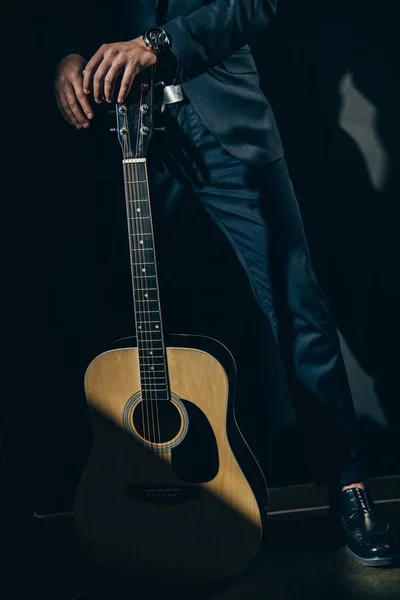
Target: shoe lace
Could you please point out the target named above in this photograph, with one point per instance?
(362, 500)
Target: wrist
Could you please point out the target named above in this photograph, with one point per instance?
(151, 56)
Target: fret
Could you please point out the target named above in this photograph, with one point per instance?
(142, 250)
(158, 322)
(141, 233)
(152, 352)
(138, 218)
(138, 200)
(147, 295)
(152, 349)
(144, 245)
(144, 270)
(149, 332)
(146, 312)
(149, 363)
(142, 266)
(153, 366)
(145, 352)
(157, 399)
(141, 244)
(137, 181)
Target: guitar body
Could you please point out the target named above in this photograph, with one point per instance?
(184, 509)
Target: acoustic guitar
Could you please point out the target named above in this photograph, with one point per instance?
(170, 491)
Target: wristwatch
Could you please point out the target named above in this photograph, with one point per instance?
(157, 40)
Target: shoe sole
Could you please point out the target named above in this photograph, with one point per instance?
(375, 562)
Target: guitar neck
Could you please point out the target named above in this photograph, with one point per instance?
(149, 330)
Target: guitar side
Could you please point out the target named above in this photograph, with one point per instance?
(189, 512)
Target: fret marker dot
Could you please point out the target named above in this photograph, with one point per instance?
(141, 242)
(146, 295)
(157, 327)
(151, 354)
(152, 368)
(139, 327)
(143, 270)
(138, 209)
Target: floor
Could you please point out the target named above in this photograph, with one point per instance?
(298, 559)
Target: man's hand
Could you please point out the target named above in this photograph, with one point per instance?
(68, 89)
(109, 62)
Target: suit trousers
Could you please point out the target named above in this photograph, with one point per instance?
(256, 209)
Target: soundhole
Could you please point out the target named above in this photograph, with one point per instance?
(157, 422)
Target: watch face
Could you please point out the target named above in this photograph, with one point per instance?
(157, 37)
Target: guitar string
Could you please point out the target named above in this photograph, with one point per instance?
(163, 371)
(150, 371)
(149, 342)
(143, 342)
(148, 364)
(131, 241)
(156, 374)
(166, 390)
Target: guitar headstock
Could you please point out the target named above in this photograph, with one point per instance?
(135, 117)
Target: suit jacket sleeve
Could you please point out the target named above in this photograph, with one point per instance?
(212, 33)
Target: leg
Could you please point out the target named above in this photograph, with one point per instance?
(269, 241)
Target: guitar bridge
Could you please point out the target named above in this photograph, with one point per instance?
(163, 494)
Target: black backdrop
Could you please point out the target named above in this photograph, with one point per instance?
(353, 231)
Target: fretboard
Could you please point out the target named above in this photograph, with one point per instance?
(149, 331)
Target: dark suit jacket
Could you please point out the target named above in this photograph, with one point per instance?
(215, 65)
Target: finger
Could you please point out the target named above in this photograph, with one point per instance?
(63, 113)
(126, 83)
(67, 112)
(98, 81)
(110, 81)
(90, 69)
(74, 105)
(83, 100)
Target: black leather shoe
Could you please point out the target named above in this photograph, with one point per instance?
(370, 539)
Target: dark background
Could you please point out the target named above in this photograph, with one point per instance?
(330, 73)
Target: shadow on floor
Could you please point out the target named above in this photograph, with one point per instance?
(299, 558)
